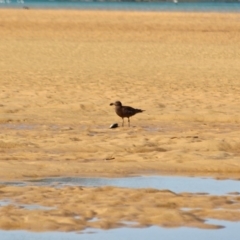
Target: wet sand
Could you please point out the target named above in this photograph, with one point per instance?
(76, 208)
(59, 70)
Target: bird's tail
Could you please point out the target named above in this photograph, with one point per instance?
(139, 110)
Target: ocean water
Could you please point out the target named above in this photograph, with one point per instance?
(174, 5)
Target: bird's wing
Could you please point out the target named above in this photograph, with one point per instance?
(128, 110)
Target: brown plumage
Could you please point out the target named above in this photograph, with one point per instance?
(125, 111)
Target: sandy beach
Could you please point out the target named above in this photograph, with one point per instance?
(60, 70)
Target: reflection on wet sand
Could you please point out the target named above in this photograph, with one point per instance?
(229, 232)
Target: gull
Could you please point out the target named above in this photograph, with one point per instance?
(125, 111)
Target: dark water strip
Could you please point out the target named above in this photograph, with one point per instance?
(130, 6)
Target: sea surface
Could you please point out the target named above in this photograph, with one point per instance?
(174, 5)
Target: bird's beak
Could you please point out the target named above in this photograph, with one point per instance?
(111, 104)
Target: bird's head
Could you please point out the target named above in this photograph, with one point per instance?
(117, 104)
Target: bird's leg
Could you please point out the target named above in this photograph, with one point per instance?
(122, 122)
(129, 122)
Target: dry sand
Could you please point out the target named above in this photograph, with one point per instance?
(59, 70)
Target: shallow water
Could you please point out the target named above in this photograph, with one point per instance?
(172, 183)
(6, 202)
(176, 184)
(230, 231)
